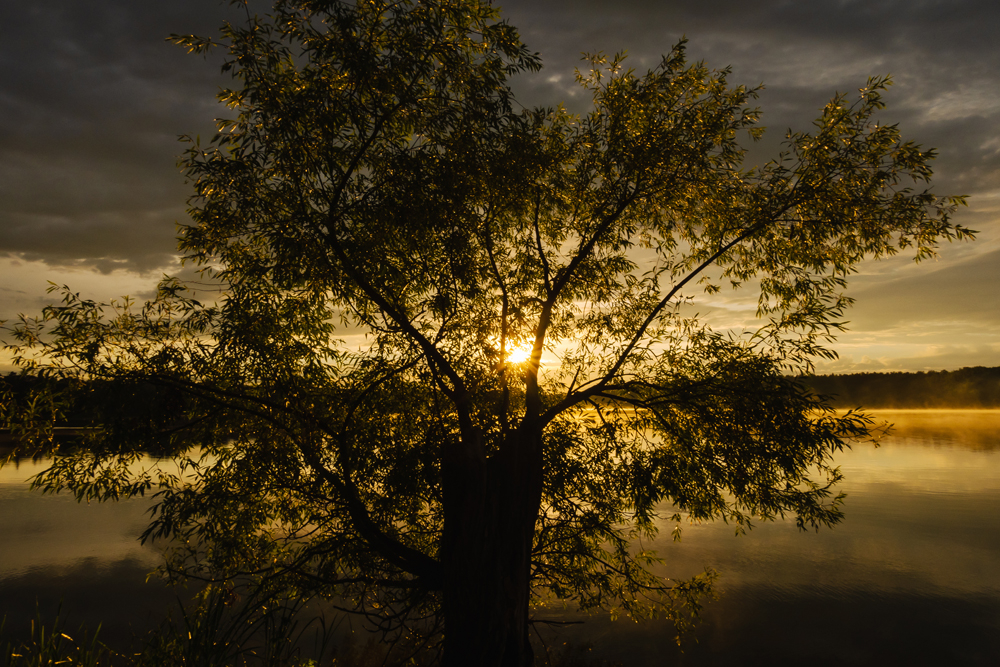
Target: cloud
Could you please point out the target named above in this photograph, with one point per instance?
(943, 57)
(963, 293)
(910, 358)
(92, 100)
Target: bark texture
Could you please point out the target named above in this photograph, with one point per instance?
(491, 508)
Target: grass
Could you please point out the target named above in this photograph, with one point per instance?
(215, 634)
(50, 645)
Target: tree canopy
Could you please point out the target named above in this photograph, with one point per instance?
(455, 366)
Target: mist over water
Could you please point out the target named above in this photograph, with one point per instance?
(910, 577)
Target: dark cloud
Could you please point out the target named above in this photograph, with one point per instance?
(942, 55)
(92, 99)
(944, 61)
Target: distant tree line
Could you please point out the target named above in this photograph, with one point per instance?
(71, 406)
(976, 387)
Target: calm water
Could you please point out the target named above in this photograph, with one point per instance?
(911, 577)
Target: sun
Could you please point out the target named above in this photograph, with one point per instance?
(519, 354)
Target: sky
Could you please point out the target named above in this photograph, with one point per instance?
(93, 99)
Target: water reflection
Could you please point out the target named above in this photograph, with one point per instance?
(54, 532)
(953, 429)
(912, 577)
(81, 558)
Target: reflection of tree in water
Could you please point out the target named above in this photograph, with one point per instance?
(379, 177)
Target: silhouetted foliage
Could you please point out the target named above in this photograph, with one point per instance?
(388, 226)
(976, 387)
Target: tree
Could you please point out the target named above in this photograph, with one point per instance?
(390, 231)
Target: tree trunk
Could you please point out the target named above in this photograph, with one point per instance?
(490, 514)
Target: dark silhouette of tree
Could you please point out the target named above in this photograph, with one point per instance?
(391, 230)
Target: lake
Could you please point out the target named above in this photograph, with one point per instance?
(911, 577)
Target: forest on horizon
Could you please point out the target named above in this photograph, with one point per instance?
(976, 387)
(972, 387)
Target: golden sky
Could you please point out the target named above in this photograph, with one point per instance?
(92, 100)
